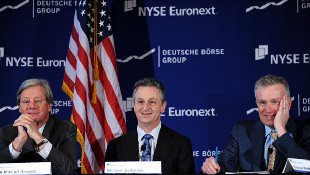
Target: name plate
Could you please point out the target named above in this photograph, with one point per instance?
(26, 168)
(133, 167)
(296, 165)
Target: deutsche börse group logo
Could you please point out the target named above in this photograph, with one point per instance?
(301, 5)
(180, 56)
(266, 5)
(301, 102)
(40, 6)
(57, 105)
(13, 5)
(52, 6)
(129, 5)
(262, 52)
(174, 56)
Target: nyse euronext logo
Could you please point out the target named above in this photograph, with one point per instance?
(262, 52)
(128, 105)
(129, 5)
(29, 61)
(175, 112)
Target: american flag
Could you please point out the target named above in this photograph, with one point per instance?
(91, 81)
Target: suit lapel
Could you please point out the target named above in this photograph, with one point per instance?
(258, 142)
(130, 146)
(164, 145)
(48, 127)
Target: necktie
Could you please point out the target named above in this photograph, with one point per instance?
(272, 156)
(146, 154)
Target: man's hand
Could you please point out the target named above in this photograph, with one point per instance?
(210, 166)
(32, 131)
(282, 115)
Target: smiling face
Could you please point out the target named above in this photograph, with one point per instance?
(148, 107)
(40, 110)
(268, 102)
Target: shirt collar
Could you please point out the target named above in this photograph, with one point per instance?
(154, 132)
(42, 128)
(268, 130)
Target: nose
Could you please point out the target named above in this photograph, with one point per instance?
(145, 106)
(269, 108)
(32, 104)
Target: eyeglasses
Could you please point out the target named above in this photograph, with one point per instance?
(36, 101)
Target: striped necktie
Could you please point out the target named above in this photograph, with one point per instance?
(272, 156)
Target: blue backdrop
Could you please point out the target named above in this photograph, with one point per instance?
(207, 53)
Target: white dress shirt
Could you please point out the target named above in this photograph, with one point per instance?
(153, 141)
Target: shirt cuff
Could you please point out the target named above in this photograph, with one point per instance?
(46, 150)
(14, 153)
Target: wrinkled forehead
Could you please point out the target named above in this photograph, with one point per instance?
(270, 92)
(33, 91)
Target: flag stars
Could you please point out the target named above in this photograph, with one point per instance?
(104, 3)
(83, 12)
(109, 27)
(101, 23)
(100, 33)
(102, 13)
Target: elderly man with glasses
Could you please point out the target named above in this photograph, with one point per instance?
(37, 135)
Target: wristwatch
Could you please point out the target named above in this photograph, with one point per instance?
(37, 148)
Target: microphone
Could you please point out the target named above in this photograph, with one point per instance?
(270, 150)
(143, 147)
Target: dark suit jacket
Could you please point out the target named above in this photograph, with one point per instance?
(173, 150)
(244, 150)
(60, 133)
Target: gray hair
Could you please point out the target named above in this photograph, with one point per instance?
(269, 80)
(151, 82)
(36, 82)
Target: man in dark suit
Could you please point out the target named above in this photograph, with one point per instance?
(38, 136)
(251, 146)
(171, 148)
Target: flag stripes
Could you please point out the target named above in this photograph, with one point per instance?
(99, 122)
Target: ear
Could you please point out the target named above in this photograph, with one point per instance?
(19, 108)
(50, 107)
(289, 103)
(163, 107)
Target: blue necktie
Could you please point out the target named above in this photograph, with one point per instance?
(146, 154)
